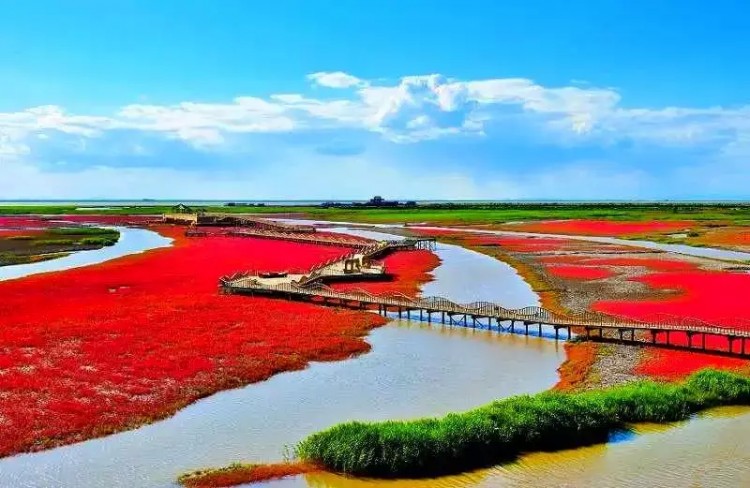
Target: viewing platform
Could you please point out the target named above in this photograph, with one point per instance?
(357, 265)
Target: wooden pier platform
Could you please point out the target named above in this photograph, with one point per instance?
(359, 264)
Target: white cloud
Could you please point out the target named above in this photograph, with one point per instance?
(12, 149)
(204, 123)
(335, 79)
(411, 109)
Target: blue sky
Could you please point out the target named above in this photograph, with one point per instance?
(411, 99)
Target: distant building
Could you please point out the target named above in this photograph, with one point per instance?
(376, 201)
(243, 204)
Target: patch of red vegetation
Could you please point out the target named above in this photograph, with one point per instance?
(563, 259)
(107, 219)
(522, 244)
(728, 237)
(242, 474)
(715, 297)
(19, 232)
(675, 365)
(712, 296)
(408, 269)
(573, 372)
(434, 232)
(95, 350)
(23, 222)
(579, 272)
(650, 263)
(531, 244)
(611, 228)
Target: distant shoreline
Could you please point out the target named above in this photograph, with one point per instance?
(160, 202)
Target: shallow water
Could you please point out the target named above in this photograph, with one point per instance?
(711, 450)
(413, 370)
(467, 276)
(131, 241)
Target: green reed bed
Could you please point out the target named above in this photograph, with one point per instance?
(83, 231)
(504, 429)
(83, 236)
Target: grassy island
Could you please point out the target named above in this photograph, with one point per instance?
(30, 246)
(506, 428)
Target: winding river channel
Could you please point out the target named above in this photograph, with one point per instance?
(413, 370)
(131, 241)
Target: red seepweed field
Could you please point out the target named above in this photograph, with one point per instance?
(681, 289)
(100, 349)
(612, 228)
(716, 297)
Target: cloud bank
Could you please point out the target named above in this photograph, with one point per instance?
(492, 138)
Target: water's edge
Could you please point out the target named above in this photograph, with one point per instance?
(132, 241)
(413, 370)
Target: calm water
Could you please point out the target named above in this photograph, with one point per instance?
(413, 370)
(132, 241)
(466, 276)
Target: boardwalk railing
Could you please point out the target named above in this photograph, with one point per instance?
(674, 332)
(233, 220)
(592, 324)
(362, 258)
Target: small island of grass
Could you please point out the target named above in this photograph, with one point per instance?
(504, 429)
(30, 246)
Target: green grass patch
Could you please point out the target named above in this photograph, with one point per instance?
(9, 259)
(85, 236)
(506, 428)
(54, 242)
(99, 241)
(82, 231)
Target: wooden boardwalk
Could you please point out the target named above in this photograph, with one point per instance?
(360, 264)
(232, 220)
(490, 315)
(357, 265)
